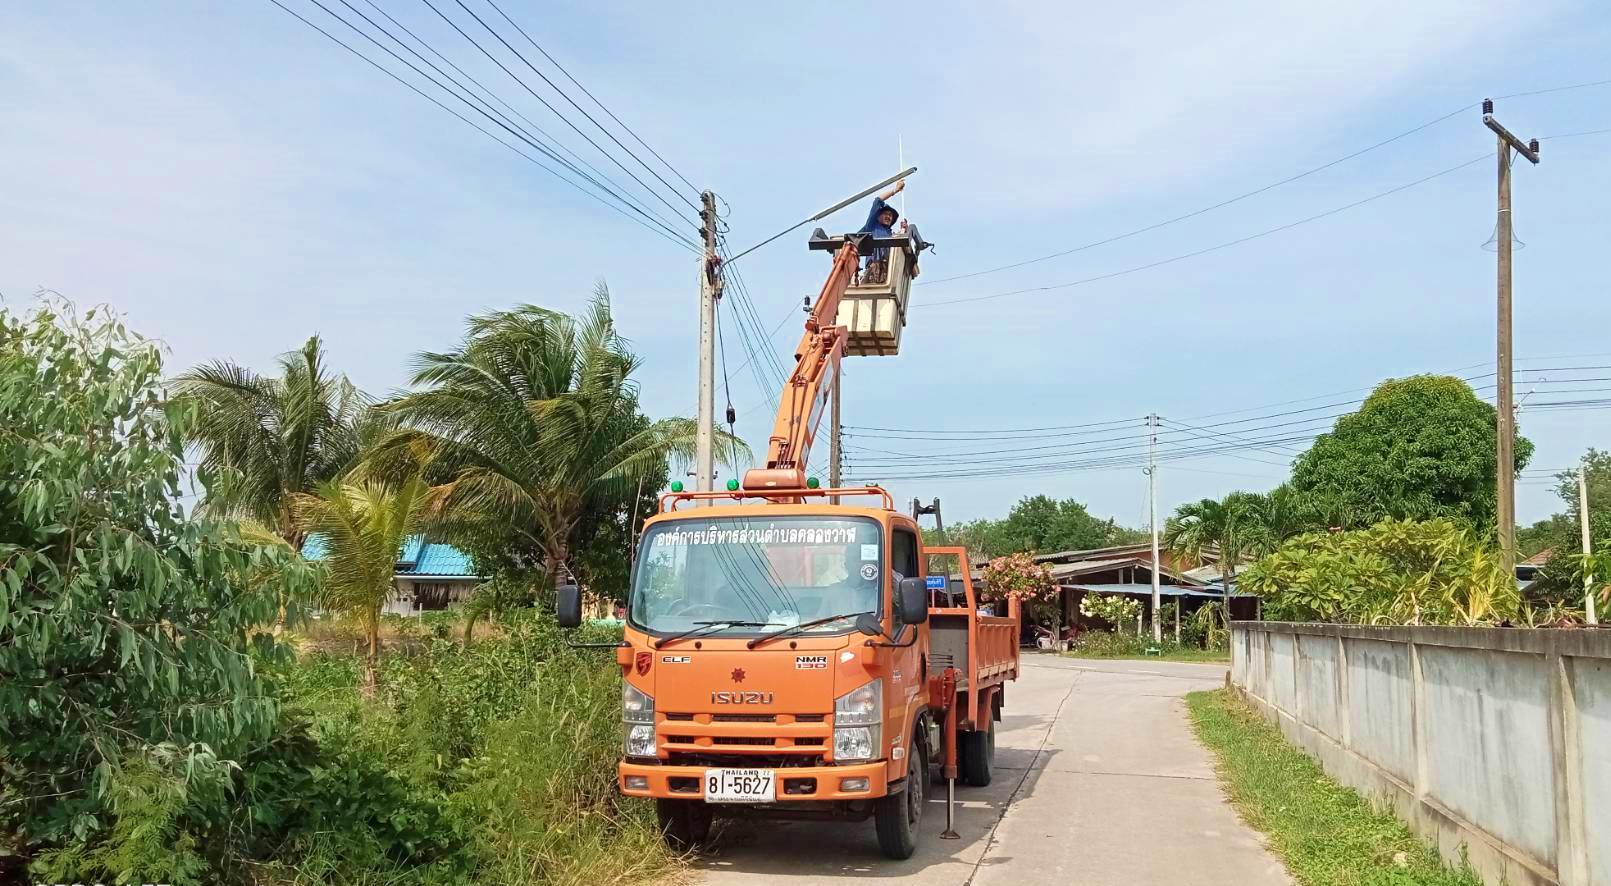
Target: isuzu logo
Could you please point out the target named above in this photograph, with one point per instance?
(741, 698)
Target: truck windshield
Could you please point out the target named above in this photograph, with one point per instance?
(780, 571)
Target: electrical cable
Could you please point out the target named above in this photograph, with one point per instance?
(1220, 205)
(547, 104)
(619, 192)
(1215, 248)
(618, 121)
(563, 94)
(686, 244)
(1273, 185)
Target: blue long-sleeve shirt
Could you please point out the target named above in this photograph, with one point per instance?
(877, 228)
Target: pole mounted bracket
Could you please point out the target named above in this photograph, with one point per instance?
(1528, 149)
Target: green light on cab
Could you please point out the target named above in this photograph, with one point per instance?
(676, 486)
(732, 485)
(813, 483)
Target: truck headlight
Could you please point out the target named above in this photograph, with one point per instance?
(636, 706)
(857, 723)
(640, 740)
(862, 706)
(854, 743)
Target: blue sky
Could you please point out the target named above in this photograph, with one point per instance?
(234, 183)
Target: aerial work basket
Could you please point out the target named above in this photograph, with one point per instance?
(873, 309)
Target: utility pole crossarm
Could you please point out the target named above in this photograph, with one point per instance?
(1526, 149)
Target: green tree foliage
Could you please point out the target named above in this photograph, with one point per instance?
(1037, 524)
(1560, 582)
(266, 440)
(1395, 572)
(535, 420)
(363, 524)
(1419, 448)
(127, 631)
(1234, 528)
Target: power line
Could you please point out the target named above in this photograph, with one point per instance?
(1206, 209)
(1271, 186)
(545, 102)
(563, 94)
(674, 171)
(467, 121)
(1553, 89)
(1215, 248)
(1543, 138)
(614, 187)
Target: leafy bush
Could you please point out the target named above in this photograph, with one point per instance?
(1117, 610)
(128, 632)
(1125, 644)
(1395, 572)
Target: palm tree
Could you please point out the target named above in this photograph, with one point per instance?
(363, 524)
(535, 422)
(1231, 526)
(265, 440)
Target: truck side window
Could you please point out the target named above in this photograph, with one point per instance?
(903, 556)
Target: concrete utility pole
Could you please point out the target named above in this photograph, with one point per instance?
(710, 289)
(1583, 522)
(1152, 520)
(835, 447)
(1506, 400)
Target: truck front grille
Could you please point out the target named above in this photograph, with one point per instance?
(744, 739)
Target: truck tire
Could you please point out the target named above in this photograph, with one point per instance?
(976, 752)
(896, 816)
(683, 823)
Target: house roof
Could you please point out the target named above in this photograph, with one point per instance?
(419, 558)
(1539, 559)
(1146, 590)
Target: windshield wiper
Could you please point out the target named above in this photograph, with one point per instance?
(803, 626)
(707, 625)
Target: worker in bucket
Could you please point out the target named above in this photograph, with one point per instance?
(880, 223)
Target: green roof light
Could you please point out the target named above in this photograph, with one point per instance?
(676, 486)
(732, 485)
(813, 483)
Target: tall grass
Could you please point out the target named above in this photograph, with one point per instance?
(513, 741)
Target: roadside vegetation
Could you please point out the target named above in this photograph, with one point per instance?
(1389, 518)
(168, 710)
(1327, 834)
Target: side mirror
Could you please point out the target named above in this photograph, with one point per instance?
(867, 623)
(568, 606)
(912, 600)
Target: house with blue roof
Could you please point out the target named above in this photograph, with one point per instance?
(429, 575)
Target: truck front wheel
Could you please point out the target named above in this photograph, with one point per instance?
(976, 753)
(897, 815)
(684, 823)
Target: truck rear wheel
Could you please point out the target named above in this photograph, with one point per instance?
(684, 823)
(976, 752)
(897, 815)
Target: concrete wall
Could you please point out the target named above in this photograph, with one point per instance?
(1491, 742)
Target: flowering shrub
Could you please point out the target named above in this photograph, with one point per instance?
(1018, 575)
(1111, 608)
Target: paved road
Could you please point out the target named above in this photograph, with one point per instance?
(1098, 781)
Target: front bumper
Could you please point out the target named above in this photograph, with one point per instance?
(793, 783)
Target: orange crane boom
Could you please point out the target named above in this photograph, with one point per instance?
(809, 386)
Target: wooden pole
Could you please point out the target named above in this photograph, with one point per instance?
(1505, 399)
(1505, 403)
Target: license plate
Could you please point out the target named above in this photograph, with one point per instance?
(739, 786)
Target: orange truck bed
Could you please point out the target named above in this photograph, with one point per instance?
(984, 648)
